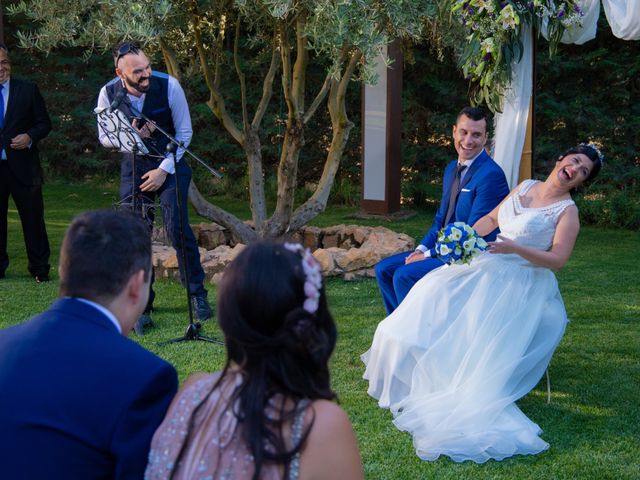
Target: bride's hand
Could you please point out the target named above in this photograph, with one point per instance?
(505, 245)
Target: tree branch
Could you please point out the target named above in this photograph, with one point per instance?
(346, 77)
(216, 101)
(285, 56)
(318, 100)
(300, 66)
(238, 228)
(170, 59)
(267, 88)
(241, 77)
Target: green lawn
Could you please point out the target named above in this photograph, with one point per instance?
(592, 424)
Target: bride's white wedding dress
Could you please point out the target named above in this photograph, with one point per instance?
(470, 340)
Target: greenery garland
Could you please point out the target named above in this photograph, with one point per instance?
(493, 33)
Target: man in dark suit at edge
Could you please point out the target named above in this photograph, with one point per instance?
(472, 186)
(79, 400)
(24, 121)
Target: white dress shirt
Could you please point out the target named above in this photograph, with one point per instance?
(104, 310)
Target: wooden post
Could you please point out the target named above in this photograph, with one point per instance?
(526, 160)
(529, 147)
(381, 136)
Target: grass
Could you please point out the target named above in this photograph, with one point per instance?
(592, 423)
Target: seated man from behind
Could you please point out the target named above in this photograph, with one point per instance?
(79, 399)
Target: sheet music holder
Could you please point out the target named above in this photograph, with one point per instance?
(119, 133)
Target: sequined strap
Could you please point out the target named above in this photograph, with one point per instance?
(296, 435)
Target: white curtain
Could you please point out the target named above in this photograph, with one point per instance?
(623, 17)
(510, 126)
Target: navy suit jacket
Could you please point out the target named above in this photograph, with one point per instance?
(78, 400)
(26, 113)
(481, 190)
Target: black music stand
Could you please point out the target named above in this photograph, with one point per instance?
(134, 143)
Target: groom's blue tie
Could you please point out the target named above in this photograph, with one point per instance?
(453, 194)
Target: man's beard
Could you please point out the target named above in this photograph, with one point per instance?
(136, 85)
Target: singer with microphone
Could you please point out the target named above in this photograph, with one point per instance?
(138, 91)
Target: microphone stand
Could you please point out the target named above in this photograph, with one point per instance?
(193, 329)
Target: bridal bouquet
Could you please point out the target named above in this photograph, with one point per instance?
(459, 243)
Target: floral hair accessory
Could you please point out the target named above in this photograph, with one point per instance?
(595, 148)
(313, 276)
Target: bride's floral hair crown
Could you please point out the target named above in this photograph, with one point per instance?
(595, 148)
(312, 274)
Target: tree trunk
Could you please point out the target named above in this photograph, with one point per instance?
(240, 230)
(341, 126)
(252, 149)
(170, 60)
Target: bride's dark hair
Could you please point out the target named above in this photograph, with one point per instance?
(590, 151)
(279, 347)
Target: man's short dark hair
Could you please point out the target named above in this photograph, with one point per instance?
(475, 114)
(100, 252)
(3, 46)
(122, 49)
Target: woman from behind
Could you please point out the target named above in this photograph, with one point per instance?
(269, 414)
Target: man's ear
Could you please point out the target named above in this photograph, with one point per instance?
(136, 287)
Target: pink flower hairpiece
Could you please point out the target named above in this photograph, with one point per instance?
(312, 274)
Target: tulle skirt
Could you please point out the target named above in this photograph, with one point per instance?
(464, 345)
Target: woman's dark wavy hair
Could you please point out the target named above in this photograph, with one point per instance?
(593, 155)
(280, 347)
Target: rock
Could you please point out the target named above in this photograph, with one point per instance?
(330, 240)
(359, 274)
(350, 251)
(160, 253)
(216, 278)
(311, 237)
(325, 259)
(210, 235)
(328, 259)
(358, 258)
(387, 242)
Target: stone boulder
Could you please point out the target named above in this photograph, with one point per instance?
(348, 251)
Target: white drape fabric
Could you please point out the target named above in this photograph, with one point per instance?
(510, 126)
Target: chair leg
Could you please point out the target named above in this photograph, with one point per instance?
(548, 386)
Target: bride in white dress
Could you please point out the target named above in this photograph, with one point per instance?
(470, 340)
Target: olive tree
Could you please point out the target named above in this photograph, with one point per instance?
(346, 35)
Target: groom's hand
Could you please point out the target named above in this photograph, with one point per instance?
(414, 257)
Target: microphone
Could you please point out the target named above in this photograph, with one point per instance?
(117, 99)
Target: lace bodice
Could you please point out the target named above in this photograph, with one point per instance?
(533, 227)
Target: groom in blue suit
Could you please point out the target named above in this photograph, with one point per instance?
(78, 399)
(473, 185)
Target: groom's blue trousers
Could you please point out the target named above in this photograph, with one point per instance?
(395, 279)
